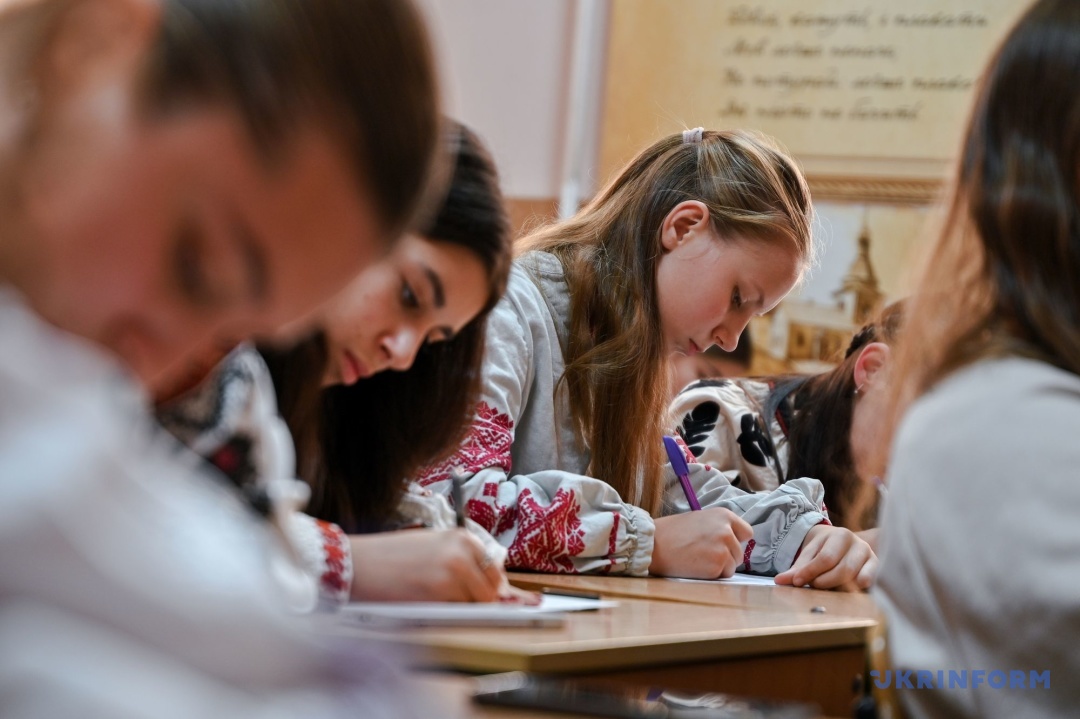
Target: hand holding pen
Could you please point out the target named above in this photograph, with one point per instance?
(700, 544)
(506, 592)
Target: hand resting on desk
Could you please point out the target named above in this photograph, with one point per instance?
(832, 558)
(708, 545)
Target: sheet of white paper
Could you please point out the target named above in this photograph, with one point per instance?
(557, 603)
(549, 612)
(736, 579)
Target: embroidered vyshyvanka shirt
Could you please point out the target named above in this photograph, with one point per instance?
(525, 465)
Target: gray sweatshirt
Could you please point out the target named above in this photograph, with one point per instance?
(524, 462)
(980, 545)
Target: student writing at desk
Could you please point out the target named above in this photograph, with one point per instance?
(564, 463)
(382, 387)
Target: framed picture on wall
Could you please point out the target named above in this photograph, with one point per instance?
(869, 95)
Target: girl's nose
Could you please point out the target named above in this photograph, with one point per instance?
(721, 338)
(401, 347)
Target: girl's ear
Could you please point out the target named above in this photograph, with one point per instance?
(686, 218)
(873, 359)
(94, 38)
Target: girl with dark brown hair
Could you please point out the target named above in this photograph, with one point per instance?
(386, 385)
(171, 171)
(765, 431)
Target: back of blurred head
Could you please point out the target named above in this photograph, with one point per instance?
(317, 118)
(839, 415)
(363, 66)
(1004, 275)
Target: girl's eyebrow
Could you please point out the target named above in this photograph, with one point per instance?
(436, 286)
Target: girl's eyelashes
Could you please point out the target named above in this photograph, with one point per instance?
(422, 314)
(736, 298)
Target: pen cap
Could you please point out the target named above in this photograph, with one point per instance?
(675, 455)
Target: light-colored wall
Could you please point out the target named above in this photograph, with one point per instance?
(505, 70)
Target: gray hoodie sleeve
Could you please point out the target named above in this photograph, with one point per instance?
(780, 518)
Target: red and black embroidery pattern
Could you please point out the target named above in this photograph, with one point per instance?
(487, 445)
(747, 554)
(494, 517)
(753, 441)
(697, 424)
(612, 539)
(548, 536)
(333, 581)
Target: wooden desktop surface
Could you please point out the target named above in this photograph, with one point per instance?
(636, 633)
(789, 654)
(780, 599)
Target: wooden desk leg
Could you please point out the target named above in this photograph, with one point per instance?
(821, 677)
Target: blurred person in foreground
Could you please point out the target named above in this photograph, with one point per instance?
(171, 172)
(980, 568)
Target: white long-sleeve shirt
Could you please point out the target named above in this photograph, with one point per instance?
(116, 597)
(230, 418)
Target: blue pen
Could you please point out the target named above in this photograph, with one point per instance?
(678, 463)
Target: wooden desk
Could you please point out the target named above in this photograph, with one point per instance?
(678, 645)
(781, 599)
(453, 694)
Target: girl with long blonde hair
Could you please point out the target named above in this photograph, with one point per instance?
(564, 463)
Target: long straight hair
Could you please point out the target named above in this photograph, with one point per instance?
(1004, 275)
(358, 444)
(616, 371)
(819, 438)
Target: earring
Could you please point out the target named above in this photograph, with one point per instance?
(856, 392)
